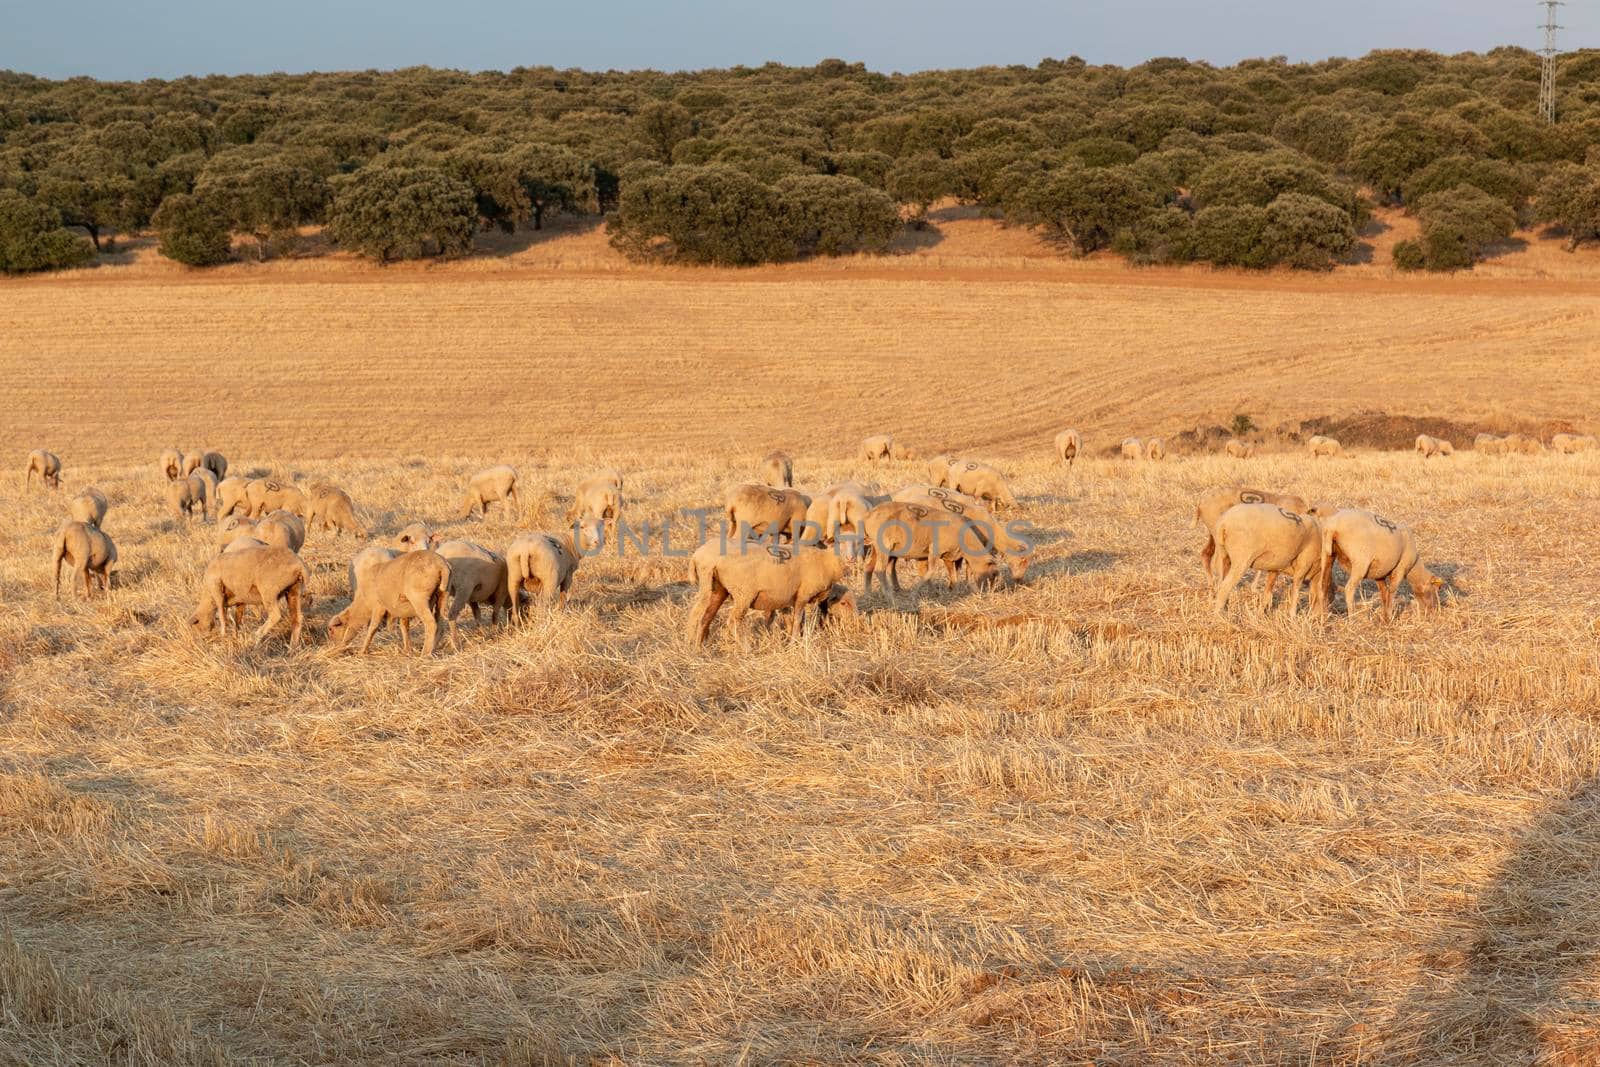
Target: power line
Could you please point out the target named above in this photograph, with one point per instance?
(1547, 66)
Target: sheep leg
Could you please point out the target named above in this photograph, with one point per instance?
(797, 614)
(1229, 582)
(950, 568)
(1386, 590)
(713, 601)
(83, 572)
(430, 625)
(372, 627)
(741, 606)
(1206, 553)
(1351, 580)
(274, 616)
(296, 614)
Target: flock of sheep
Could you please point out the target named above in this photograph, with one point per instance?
(779, 550)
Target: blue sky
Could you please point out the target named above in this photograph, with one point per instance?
(166, 38)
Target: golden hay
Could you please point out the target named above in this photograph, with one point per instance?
(1081, 819)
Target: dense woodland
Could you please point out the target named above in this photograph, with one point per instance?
(1259, 164)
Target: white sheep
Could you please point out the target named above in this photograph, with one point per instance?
(1370, 546)
(1271, 539)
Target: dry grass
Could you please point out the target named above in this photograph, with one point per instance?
(1080, 820)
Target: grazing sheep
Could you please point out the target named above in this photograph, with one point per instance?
(1429, 446)
(216, 463)
(1370, 546)
(413, 585)
(364, 561)
(90, 553)
(982, 481)
(211, 483)
(540, 562)
(900, 451)
(1240, 449)
(269, 494)
(1490, 444)
(1068, 444)
(47, 465)
(1155, 448)
(1523, 444)
(769, 578)
(88, 507)
(957, 508)
(1132, 448)
(263, 576)
(185, 495)
(244, 544)
(1321, 446)
(477, 577)
(331, 507)
(1569, 444)
(1445, 447)
(279, 530)
(233, 495)
(918, 492)
(777, 469)
(924, 532)
(489, 486)
(597, 502)
(939, 469)
(876, 447)
(762, 510)
(837, 514)
(1271, 539)
(416, 536)
(1214, 504)
(171, 464)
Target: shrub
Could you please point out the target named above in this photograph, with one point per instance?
(1232, 236)
(831, 215)
(32, 237)
(193, 231)
(711, 214)
(1502, 180)
(388, 212)
(1457, 225)
(1242, 424)
(1087, 205)
(1306, 232)
(1165, 235)
(1408, 255)
(1569, 197)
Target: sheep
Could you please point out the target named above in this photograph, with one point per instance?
(960, 508)
(982, 481)
(876, 447)
(1155, 449)
(279, 529)
(488, 486)
(364, 561)
(777, 469)
(171, 464)
(597, 501)
(1370, 546)
(47, 465)
(1569, 444)
(90, 552)
(1522, 444)
(88, 507)
(1267, 538)
(902, 452)
(918, 492)
(836, 514)
(771, 578)
(1132, 448)
(939, 469)
(260, 575)
(209, 477)
(899, 530)
(1429, 446)
(232, 495)
(1489, 444)
(477, 577)
(185, 495)
(244, 544)
(413, 585)
(1240, 449)
(1322, 447)
(332, 508)
(542, 562)
(1068, 444)
(269, 494)
(1214, 504)
(216, 463)
(761, 509)
(415, 536)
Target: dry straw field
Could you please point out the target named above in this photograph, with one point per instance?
(1084, 819)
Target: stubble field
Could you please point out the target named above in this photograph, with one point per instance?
(1082, 819)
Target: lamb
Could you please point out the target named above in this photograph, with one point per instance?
(773, 578)
(414, 585)
(232, 495)
(490, 485)
(902, 452)
(415, 536)
(171, 464)
(47, 465)
(90, 552)
(542, 562)
(1132, 448)
(88, 507)
(876, 447)
(899, 530)
(838, 512)
(261, 575)
(982, 481)
(185, 495)
(1429, 446)
(1371, 546)
(597, 501)
(477, 577)
(1267, 538)
(332, 508)
(1240, 449)
(1569, 444)
(269, 494)
(1211, 507)
(760, 509)
(1321, 446)
(1155, 449)
(960, 508)
(1068, 444)
(777, 469)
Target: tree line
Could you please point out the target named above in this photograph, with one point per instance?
(1254, 165)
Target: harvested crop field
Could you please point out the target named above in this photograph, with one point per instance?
(1082, 819)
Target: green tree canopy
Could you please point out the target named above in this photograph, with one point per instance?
(32, 237)
(387, 212)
